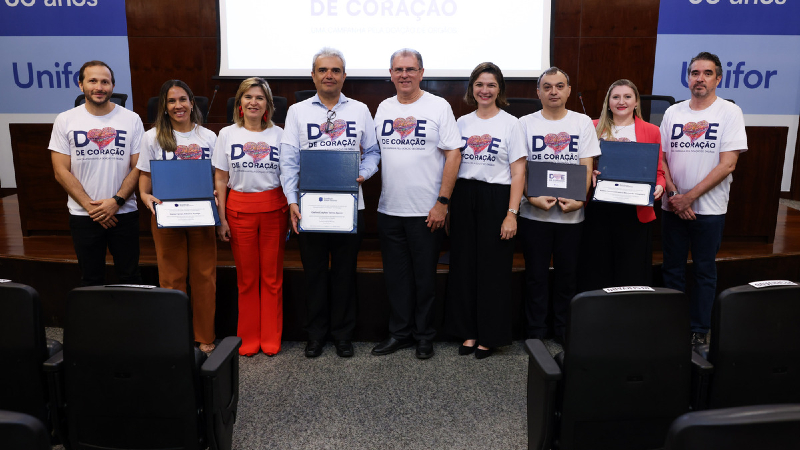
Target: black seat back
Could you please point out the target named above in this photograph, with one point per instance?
(20, 431)
(755, 346)
(518, 106)
(627, 372)
(129, 358)
(773, 427)
(23, 387)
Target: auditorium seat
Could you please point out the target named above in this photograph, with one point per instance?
(133, 378)
(754, 347)
(20, 431)
(152, 108)
(654, 106)
(23, 350)
(519, 107)
(279, 117)
(116, 97)
(772, 427)
(623, 377)
(299, 96)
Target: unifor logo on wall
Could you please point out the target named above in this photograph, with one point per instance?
(757, 42)
(44, 43)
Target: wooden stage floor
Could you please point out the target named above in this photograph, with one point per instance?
(59, 248)
(48, 264)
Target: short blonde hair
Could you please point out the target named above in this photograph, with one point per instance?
(244, 87)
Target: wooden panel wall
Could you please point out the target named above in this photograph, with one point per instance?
(596, 43)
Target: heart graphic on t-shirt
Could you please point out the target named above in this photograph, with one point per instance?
(191, 151)
(336, 129)
(102, 137)
(695, 129)
(479, 143)
(558, 141)
(405, 126)
(257, 151)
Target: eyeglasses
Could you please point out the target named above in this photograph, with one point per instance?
(409, 70)
(329, 121)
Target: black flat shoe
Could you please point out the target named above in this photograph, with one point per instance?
(344, 348)
(391, 345)
(314, 348)
(464, 350)
(481, 353)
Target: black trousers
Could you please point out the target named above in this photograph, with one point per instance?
(617, 249)
(478, 304)
(336, 316)
(540, 242)
(410, 252)
(91, 241)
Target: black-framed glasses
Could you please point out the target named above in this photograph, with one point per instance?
(329, 121)
(409, 70)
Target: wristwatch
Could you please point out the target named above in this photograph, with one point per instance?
(120, 201)
(512, 210)
(671, 193)
(443, 200)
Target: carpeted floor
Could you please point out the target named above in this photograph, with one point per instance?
(387, 402)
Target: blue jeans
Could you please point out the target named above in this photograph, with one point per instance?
(703, 237)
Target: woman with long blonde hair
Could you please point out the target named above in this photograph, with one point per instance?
(617, 249)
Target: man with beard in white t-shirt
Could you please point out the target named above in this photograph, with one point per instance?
(94, 150)
(419, 142)
(702, 139)
(328, 121)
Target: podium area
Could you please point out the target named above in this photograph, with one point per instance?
(48, 264)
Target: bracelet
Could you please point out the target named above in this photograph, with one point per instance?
(511, 210)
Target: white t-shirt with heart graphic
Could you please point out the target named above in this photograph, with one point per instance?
(252, 159)
(196, 144)
(100, 149)
(489, 146)
(692, 142)
(563, 141)
(412, 138)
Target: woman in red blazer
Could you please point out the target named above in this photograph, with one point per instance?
(617, 240)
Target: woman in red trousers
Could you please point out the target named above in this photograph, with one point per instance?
(254, 214)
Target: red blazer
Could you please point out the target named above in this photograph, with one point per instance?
(648, 133)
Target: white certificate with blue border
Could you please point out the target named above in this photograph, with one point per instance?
(329, 212)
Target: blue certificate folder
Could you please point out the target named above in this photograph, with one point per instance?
(630, 162)
(191, 179)
(330, 172)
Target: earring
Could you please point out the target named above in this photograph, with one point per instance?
(241, 113)
(266, 117)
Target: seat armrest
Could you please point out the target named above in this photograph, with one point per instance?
(220, 356)
(220, 377)
(702, 370)
(55, 363)
(53, 347)
(544, 376)
(545, 363)
(54, 370)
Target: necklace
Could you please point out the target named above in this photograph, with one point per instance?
(416, 97)
(621, 127)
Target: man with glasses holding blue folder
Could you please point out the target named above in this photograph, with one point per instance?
(328, 121)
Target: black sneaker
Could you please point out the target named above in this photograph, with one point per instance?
(698, 339)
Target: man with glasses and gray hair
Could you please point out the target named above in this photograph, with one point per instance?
(419, 143)
(328, 121)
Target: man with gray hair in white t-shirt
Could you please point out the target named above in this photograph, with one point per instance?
(419, 142)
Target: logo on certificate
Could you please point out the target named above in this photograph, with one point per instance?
(556, 179)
